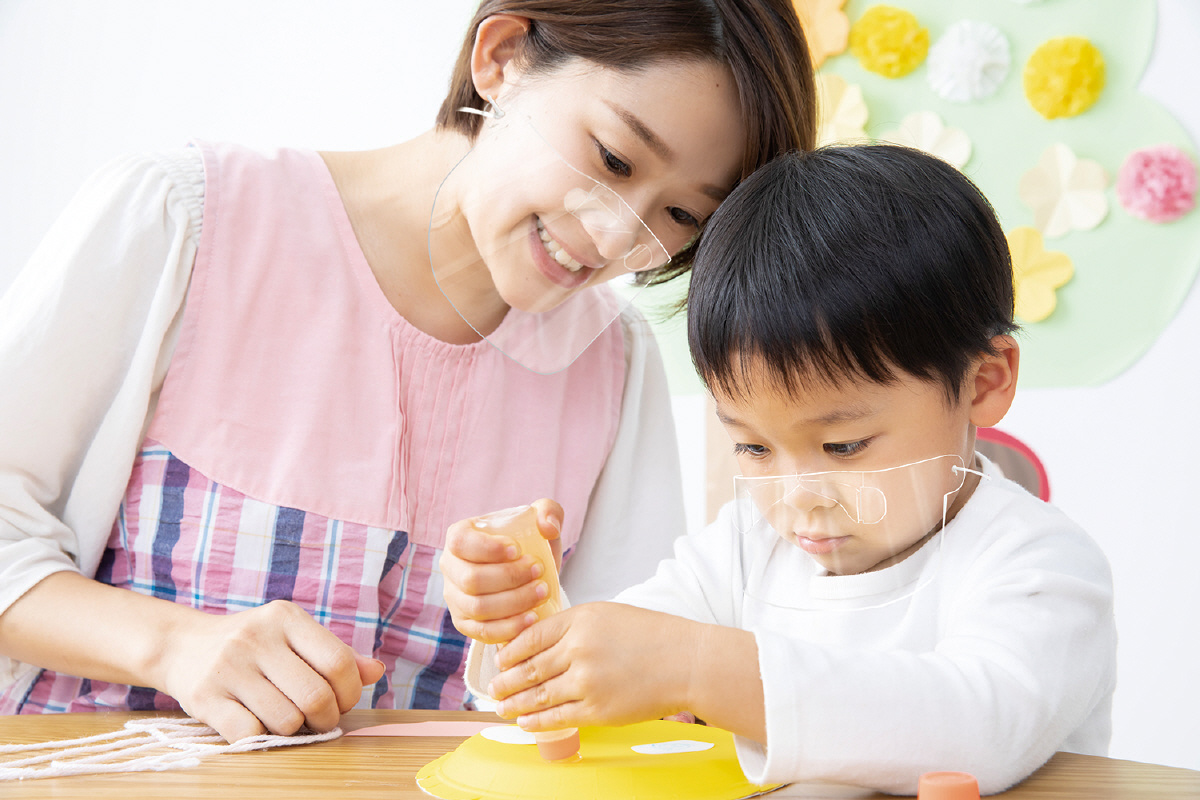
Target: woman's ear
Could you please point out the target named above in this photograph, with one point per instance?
(497, 40)
(994, 382)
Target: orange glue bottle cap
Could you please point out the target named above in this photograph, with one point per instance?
(948, 786)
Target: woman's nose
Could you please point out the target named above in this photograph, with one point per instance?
(619, 234)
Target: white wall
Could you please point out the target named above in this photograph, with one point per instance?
(81, 82)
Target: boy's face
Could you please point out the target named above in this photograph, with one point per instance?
(860, 426)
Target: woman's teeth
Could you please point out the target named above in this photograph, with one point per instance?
(556, 250)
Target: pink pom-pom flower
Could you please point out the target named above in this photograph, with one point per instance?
(1157, 183)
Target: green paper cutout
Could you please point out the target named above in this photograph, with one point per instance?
(1131, 276)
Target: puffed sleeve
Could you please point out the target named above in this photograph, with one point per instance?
(636, 508)
(86, 332)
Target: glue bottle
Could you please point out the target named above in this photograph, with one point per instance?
(520, 525)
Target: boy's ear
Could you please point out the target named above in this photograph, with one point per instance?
(497, 40)
(994, 382)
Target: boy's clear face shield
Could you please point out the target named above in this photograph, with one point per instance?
(793, 527)
(536, 286)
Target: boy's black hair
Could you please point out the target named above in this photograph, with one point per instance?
(849, 262)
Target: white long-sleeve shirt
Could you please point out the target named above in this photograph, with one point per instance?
(87, 332)
(998, 650)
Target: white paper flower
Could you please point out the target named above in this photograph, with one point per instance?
(924, 130)
(1065, 192)
(968, 62)
(843, 112)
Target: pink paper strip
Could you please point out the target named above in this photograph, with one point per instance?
(431, 728)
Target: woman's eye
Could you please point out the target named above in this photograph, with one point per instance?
(683, 217)
(847, 448)
(753, 450)
(613, 163)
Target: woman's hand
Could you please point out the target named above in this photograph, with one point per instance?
(272, 668)
(269, 669)
(597, 664)
(490, 588)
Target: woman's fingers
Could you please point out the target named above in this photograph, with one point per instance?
(229, 718)
(275, 663)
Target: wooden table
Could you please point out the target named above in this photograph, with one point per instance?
(385, 767)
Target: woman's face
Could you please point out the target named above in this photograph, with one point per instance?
(592, 172)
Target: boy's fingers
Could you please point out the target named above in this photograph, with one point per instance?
(533, 640)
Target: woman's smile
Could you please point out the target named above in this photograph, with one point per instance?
(553, 260)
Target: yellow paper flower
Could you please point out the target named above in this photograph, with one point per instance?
(889, 41)
(1037, 273)
(1064, 77)
(826, 27)
(842, 112)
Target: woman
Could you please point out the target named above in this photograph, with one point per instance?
(276, 380)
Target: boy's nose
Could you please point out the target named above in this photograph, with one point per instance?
(810, 498)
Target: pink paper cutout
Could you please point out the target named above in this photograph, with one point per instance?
(430, 728)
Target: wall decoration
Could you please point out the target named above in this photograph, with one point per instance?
(1150, 221)
(925, 130)
(1157, 184)
(826, 26)
(889, 41)
(843, 114)
(968, 62)
(1037, 274)
(1064, 77)
(1065, 192)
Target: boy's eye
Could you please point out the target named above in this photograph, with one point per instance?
(753, 450)
(612, 162)
(847, 448)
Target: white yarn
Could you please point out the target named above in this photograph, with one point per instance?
(158, 744)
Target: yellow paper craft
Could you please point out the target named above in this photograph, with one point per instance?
(889, 41)
(826, 27)
(1037, 274)
(674, 761)
(843, 112)
(1064, 77)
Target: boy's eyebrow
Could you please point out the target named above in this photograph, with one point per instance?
(658, 146)
(843, 414)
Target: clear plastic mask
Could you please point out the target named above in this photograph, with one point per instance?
(796, 527)
(573, 264)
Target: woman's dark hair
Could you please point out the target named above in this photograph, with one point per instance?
(849, 262)
(761, 41)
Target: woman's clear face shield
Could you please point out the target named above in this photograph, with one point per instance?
(535, 285)
(841, 523)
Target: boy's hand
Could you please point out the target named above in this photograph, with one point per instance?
(597, 664)
(490, 589)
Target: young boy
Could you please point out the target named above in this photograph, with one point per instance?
(879, 601)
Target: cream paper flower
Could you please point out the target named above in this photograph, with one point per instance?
(968, 62)
(843, 112)
(1065, 192)
(924, 130)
